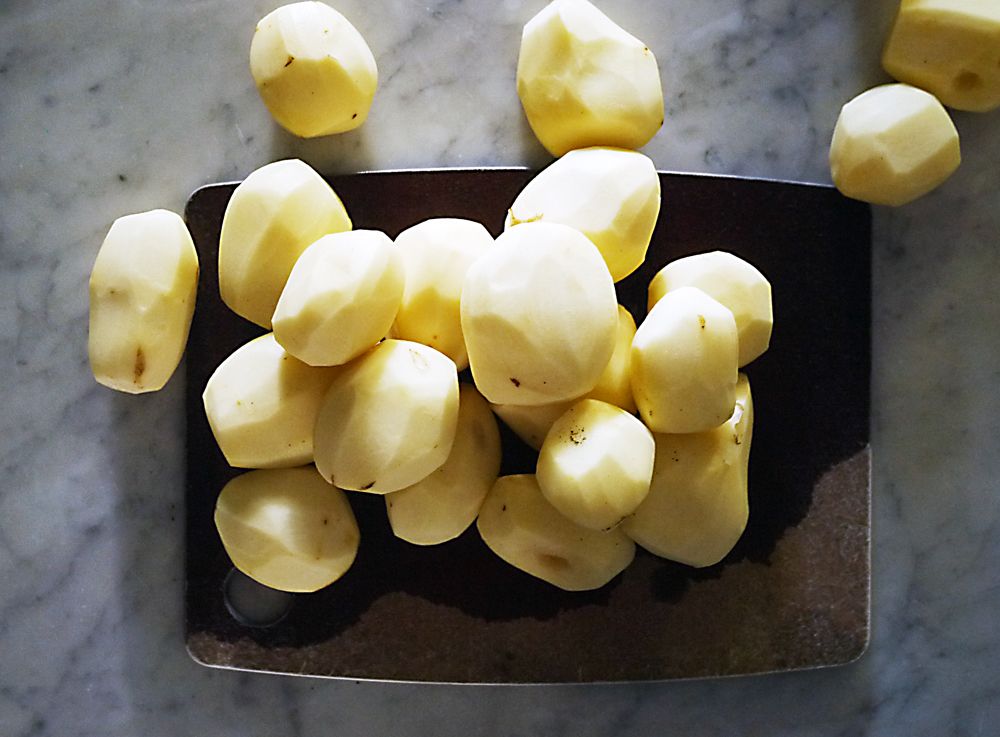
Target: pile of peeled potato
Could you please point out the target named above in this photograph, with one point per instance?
(643, 433)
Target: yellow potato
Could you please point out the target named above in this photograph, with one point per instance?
(520, 526)
(340, 299)
(735, 284)
(388, 419)
(539, 315)
(273, 216)
(610, 195)
(893, 144)
(261, 404)
(287, 528)
(684, 363)
(441, 506)
(951, 48)
(313, 69)
(595, 464)
(697, 508)
(584, 81)
(436, 256)
(142, 295)
(531, 423)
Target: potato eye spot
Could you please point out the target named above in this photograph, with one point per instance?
(140, 364)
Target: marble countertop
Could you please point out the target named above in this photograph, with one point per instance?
(116, 106)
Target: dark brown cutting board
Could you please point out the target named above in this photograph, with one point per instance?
(795, 591)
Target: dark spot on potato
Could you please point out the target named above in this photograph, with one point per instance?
(290, 60)
(701, 321)
(140, 364)
(367, 486)
(354, 116)
(326, 521)
(503, 508)
(514, 381)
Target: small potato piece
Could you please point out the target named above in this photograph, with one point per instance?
(313, 69)
(436, 256)
(732, 282)
(142, 295)
(595, 464)
(584, 81)
(539, 314)
(893, 144)
(261, 404)
(340, 299)
(388, 419)
(610, 195)
(273, 216)
(684, 363)
(440, 507)
(697, 507)
(951, 48)
(519, 525)
(287, 528)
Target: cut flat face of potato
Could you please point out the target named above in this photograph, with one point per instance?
(142, 294)
(696, 509)
(340, 299)
(273, 216)
(893, 144)
(287, 528)
(595, 464)
(520, 526)
(684, 363)
(313, 69)
(610, 195)
(584, 81)
(436, 256)
(539, 315)
(951, 48)
(440, 507)
(388, 419)
(732, 282)
(261, 404)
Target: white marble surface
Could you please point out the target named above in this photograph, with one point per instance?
(114, 106)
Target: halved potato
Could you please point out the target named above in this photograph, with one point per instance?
(287, 528)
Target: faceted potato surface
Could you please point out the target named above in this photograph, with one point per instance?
(595, 464)
(696, 509)
(610, 195)
(436, 256)
(273, 216)
(441, 506)
(287, 528)
(388, 419)
(584, 81)
(893, 144)
(313, 69)
(341, 297)
(261, 404)
(142, 294)
(684, 363)
(518, 524)
(732, 282)
(531, 423)
(539, 314)
(951, 48)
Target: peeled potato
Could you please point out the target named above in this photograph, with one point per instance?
(273, 216)
(287, 528)
(340, 299)
(441, 506)
(142, 295)
(531, 423)
(584, 81)
(519, 525)
(893, 144)
(313, 69)
(388, 419)
(696, 509)
(539, 315)
(951, 48)
(684, 363)
(610, 195)
(595, 464)
(735, 284)
(436, 255)
(261, 404)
